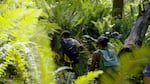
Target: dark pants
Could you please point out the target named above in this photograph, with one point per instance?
(146, 74)
(146, 71)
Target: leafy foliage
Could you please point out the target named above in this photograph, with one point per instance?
(131, 64)
(25, 44)
(147, 39)
(74, 15)
(25, 52)
(87, 78)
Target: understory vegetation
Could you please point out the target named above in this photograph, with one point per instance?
(30, 34)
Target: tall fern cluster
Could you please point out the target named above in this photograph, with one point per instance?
(25, 54)
(75, 15)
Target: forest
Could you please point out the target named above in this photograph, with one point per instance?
(31, 34)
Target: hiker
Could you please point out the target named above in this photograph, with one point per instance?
(70, 48)
(103, 58)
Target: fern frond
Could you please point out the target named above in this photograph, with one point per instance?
(25, 43)
(87, 78)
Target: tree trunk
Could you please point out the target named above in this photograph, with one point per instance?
(138, 31)
(118, 8)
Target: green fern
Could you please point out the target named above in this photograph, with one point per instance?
(25, 43)
(87, 78)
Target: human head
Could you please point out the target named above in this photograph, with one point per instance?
(102, 41)
(65, 34)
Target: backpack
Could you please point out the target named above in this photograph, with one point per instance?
(69, 48)
(108, 58)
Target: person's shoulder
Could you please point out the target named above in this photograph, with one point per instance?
(111, 50)
(96, 52)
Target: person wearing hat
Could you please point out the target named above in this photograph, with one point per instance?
(67, 36)
(71, 49)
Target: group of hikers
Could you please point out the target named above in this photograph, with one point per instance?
(102, 59)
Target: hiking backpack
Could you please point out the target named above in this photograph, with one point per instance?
(108, 58)
(69, 48)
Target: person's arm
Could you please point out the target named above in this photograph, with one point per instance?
(95, 60)
(78, 44)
